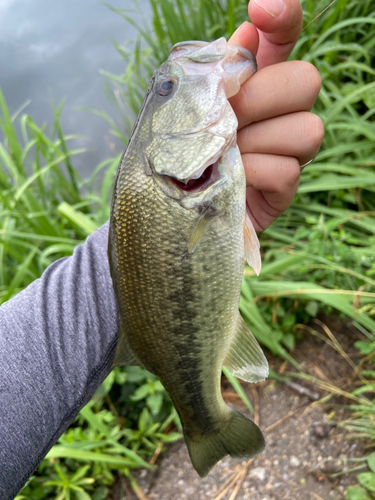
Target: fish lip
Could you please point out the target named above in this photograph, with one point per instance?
(230, 142)
(214, 159)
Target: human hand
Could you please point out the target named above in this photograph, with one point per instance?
(276, 131)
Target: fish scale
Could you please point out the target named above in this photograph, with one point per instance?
(179, 301)
(174, 282)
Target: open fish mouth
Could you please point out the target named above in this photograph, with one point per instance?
(193, 191)
(209, 176)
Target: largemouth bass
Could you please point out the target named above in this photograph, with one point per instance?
(177, 244)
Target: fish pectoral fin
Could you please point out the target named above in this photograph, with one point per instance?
(251, 246)
(124, 355)
(205, 219)
(245, 358)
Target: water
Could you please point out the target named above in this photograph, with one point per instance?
(56, 49)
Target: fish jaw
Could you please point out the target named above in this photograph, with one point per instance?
(194, 125)
(232, 63)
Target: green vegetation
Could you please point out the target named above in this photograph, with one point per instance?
(318, 257)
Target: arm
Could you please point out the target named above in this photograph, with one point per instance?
(57, 341)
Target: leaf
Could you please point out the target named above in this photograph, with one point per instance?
(79, 473)
(136, 373)
(101, 493)
(289, 341)
(356, 493)
(312, 308)
(80, 219)
(158, 386)
(339, 299)
(365, 347)
(154, 402)
(371, 462)
(145, 420)
(367, 479)
(81, 494)
(289, 320)
(171, 437)
(97, 424)
(142, 392)
(63, 452)
(19, 275)
(331, 182)
(369, 98)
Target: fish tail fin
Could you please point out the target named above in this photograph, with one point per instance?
(238, 437)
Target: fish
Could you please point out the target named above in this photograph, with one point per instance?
(178, 239)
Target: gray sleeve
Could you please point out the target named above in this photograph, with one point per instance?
(57, 341)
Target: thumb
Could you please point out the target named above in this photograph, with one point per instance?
(279, 23)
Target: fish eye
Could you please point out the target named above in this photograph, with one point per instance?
(165, 88)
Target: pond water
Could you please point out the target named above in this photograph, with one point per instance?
(55, 50)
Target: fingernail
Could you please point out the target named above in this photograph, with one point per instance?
(240, 26)
(238, 29)
(273, 7)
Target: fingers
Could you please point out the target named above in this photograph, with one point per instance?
(273, 182)
(279, 23)
(296, 134)
(246, 36)
(276, 134)
(276, 90)
(275, 28)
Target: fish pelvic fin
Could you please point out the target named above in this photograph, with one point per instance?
(245, 358)
(238, 437)
(251, 246)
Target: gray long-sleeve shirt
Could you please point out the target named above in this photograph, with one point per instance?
(57, 342)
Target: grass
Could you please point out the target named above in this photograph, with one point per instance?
(318, 257)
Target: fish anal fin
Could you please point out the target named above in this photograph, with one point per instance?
(251, 246)
(205, 219)
(245, 358)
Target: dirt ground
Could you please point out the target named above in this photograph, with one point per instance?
(305, 450)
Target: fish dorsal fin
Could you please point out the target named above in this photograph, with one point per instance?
(245, 358)
(205, 219)
(251, 246)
